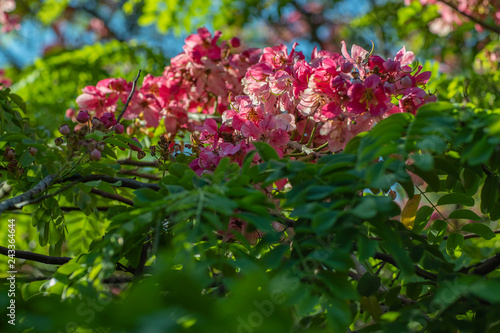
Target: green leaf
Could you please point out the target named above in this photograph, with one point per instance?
(19, 101)
(413, 290)
(116, 142)
(96, 135)
(454, 245)
(464, 214)
(146, 196)
(479, 229)
(128, 140)
(490, 193)
(422, 217)
(368, 284)
(456, 199)
(436, 232)
(30, 289)
(265, 151)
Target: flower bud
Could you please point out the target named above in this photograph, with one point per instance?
(108, 119)
(10, 153)
(64, 129)
(134, 148)
(392, 194)
(95, 122)
(119, 128)
(32, 151)
(59, 141)
(83, 116)
(152, 150)
(141, 155)
(235, 42)
(406, 82)
(101, 146)
(346, 67)
(95, 155)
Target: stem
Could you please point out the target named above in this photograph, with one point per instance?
(435, 208)
(129, 97)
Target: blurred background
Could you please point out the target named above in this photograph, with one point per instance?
(51, 49)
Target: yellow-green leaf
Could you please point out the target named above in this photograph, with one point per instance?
(410, 211)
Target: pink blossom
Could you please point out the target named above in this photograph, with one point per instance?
(146, 107)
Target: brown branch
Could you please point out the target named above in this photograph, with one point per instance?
(70, 209)
(36, 257)
(418, 270)
(112, 196)
(129, 97)
(488, 265)
(110, 280)
(466, 236)
(139, 163)
(138, 174)
(472, 18)
(26, 196)
(125, 182)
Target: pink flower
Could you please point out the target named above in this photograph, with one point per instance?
(368, 95)
(95, 100)
(145, 106)
(357, 57)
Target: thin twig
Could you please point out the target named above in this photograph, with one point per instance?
(129, 97)
(418, 270)
(435, 208)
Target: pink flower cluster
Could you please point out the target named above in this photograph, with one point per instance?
(479, 9)
(197, 80)
(5, 82)
(8, 21)
(326, 100)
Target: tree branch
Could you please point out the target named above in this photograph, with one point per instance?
(125, 182)
(112, 196)
(36, 257)
(488, 266)
(138, 163)
(138, 174)
(37, 189)
(472, 18)
(110, 280)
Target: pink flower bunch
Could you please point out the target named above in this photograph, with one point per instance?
(479, 9)
(198, 80)
(329, 99)
(4, 81)
(8, 21)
